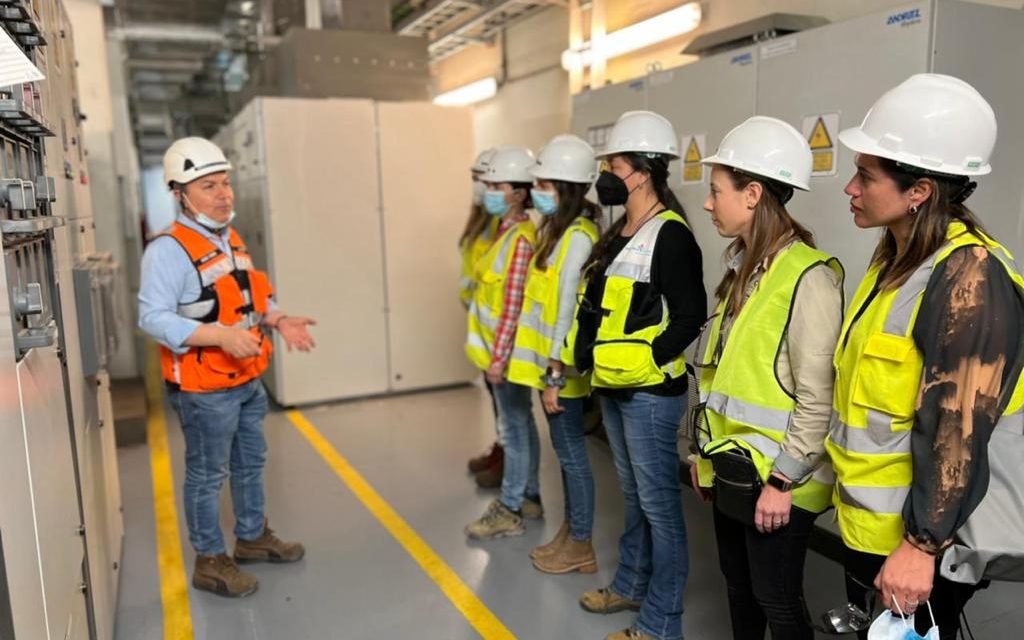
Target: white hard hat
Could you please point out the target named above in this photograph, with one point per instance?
(642, 132)
(510, 163)
(189, 159)
(934, 122)
(483, 160)
(767, 147)
(567, 158)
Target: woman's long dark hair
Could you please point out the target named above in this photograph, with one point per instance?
(928, 232)
(772, 229)
(572, 203)
(657, 169)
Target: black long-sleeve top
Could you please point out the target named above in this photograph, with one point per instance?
(677, 276)
(970, 330)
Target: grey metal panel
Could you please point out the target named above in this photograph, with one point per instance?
(992, 64)
(59, 551)
(708, 98)
(599, 107)
(843, 68)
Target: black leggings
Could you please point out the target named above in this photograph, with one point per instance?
(947, 598)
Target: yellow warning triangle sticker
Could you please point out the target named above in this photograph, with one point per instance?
(692, 152)
(819, 136)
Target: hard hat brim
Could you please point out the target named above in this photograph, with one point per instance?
(710, 160)
(857, 141)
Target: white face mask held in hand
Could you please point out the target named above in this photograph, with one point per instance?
(889, 627)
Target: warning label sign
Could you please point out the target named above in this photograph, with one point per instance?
(820, 131)
(693, 150)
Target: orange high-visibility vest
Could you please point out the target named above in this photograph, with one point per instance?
(233, 294)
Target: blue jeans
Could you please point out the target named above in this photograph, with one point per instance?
(653, 559)
(569, 441)
(518, 434)
(223, 436)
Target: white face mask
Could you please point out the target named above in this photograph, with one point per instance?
(479, 188)
(206, 220)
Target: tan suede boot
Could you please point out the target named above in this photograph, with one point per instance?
(220, 575)
(607, 601)
(572, 556)
(268, 548)
(550, 547)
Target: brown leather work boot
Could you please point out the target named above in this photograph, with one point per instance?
(571, 556)
(268, 548)
(549, 548)
(220, 575)
(487, 459)
(490, 478)
(629, 634)
(607, 601)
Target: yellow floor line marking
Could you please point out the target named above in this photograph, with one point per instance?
(472, 608)
(173, 583)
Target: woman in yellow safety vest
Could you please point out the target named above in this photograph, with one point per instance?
(928, 361)
(765, 360)
(493, 317)
(477, 236)
(565, 171)
(644, 303)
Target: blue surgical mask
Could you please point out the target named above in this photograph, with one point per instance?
(544, 202)
(494, 202)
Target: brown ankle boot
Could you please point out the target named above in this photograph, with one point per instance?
(571, 556)
(220, 575)
(549, 548)
(487, 459)
(490, 478)
(268, 548)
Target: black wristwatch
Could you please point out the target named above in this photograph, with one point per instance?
(779, 483)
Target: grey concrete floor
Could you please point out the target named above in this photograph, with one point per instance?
(358, 583)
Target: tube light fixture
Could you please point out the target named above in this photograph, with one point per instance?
(468, 93)
(645, 33)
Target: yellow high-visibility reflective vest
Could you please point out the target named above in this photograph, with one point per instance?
(745, 403)
(535, 334)
(490, 272)
(878, 379)
(624, 358)
(470, 252)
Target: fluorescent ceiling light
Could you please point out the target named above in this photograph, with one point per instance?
(661, 27)
(469, 93)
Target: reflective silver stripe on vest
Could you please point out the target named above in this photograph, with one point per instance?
(749, 413)
(485, 315)
(1013, 423)
(764, 445)
(214, 272)
(1001, 252)
(877, 438)
(897, 321)
(243, 263)
(529, 355)
(634, 261)
(874, 499)
(197, 310)
(476, 341)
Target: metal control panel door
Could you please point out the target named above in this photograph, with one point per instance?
(840, 68)
(704, 101)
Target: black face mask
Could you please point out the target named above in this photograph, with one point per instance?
(611, 189)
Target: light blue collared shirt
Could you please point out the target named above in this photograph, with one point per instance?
(169, 279)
